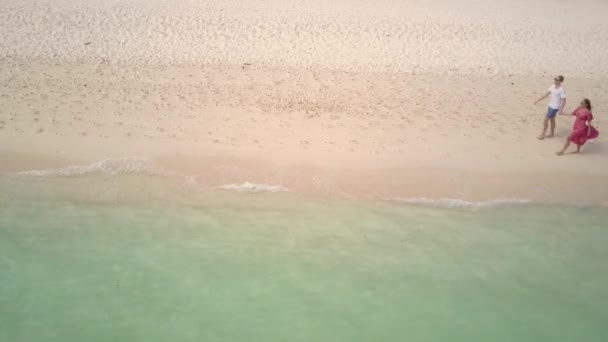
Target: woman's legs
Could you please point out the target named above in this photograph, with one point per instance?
(566, 145)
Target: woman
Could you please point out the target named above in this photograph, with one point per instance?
(582, 130)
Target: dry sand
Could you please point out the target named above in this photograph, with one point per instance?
(394, 99)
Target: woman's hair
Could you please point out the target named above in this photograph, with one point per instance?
(587, 103)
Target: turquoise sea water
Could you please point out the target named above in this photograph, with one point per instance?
(100, 257)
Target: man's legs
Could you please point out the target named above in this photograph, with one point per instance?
(545, 124)
(552, 120)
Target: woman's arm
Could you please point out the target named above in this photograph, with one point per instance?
(573, 112)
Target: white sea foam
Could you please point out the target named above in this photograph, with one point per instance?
(253, 187)
(459, 203)
(137, 165)
(127, 165)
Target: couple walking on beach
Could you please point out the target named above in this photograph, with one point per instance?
(582, 130)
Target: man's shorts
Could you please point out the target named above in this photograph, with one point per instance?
(551, 113)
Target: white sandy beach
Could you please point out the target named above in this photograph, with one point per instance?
(391, 100)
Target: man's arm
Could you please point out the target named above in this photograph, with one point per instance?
(561, 108)
(543, 97)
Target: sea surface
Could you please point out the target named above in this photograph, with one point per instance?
(116, 254)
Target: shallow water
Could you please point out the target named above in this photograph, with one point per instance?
(148, 258)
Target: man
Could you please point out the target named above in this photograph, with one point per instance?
(557, 101)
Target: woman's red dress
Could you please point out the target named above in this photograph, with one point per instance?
(581, 131)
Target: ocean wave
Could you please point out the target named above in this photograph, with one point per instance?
(253, 187)
(127, 165)
(137, 166)
(454, 203)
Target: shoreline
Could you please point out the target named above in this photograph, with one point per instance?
(367, 135)
(423, 184)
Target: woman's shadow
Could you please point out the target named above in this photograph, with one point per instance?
(595, 147)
